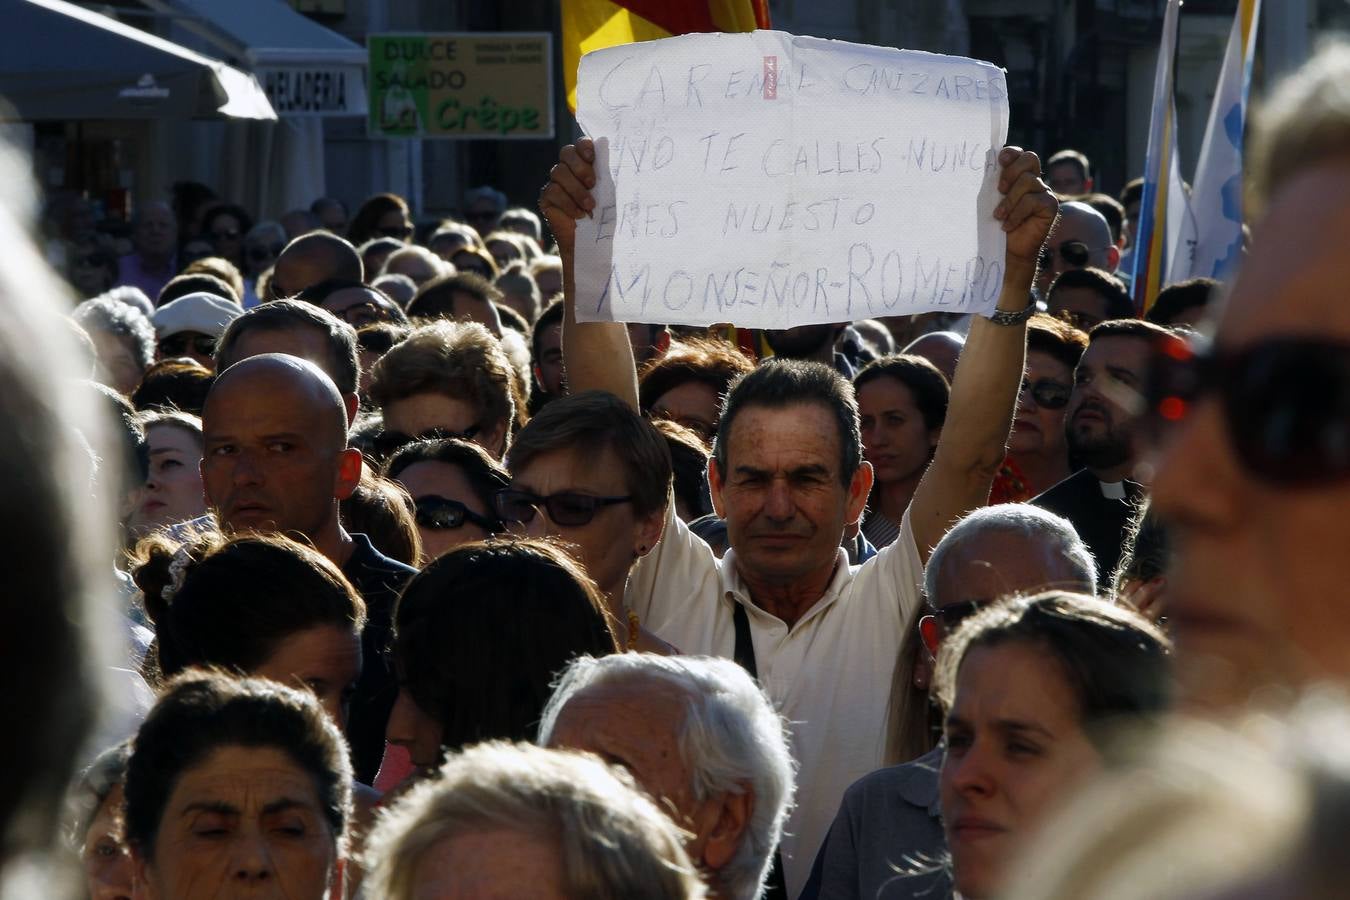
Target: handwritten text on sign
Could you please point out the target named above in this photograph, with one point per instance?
(771, 180)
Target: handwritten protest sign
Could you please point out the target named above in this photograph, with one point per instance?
(770, 180)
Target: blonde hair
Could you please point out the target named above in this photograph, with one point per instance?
(614, 842)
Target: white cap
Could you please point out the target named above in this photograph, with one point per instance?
(201, 312)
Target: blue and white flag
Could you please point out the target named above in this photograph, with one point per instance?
(1162, 209)
(1210, 243)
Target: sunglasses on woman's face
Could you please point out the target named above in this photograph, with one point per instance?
(567, 508)
(402, 232)
(1048, 393)
(183, 344)
(442, 513)
(1074, 253)
(1286, 402)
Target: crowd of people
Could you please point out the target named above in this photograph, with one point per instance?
(350, 564)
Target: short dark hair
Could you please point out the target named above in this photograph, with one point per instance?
(238, 598)
(180, 384)
(1114, 662)
(481, 632)
(1056, 338)
(280, 315)
(1132, 192)
(199, 713)
(381, 509)
(591, 422)
(512, 319)
(924, 380)
(780, 383)
(1107, 286)
(362, 226)
(1174, 299)
(552, 315)
(1136, 328)
(1075, 158)
(1111, 211)
(436, 298)
(195, 283)
(485, 475)
(689, 466)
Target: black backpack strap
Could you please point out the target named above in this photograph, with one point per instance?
(774, 888)
(745, 646)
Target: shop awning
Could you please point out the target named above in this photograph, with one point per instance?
(59, 61)
(306, 69)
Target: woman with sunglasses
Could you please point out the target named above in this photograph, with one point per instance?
(452, 483)
(1038, 450)
(902, 404)
(225, 225)
(1034, 690)
(383, 215)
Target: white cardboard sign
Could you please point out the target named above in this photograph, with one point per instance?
(769, 180)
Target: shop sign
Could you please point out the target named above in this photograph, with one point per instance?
(486, 85)
(308, 91)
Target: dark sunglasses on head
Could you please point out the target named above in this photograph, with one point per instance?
(566, 508)
(390, 442)
(1286, 402)
(1074, 253)
(443, 513)
(1047, 393)
(179, 344)
(225, 235)
(402, 232)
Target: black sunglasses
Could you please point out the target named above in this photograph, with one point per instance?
(442, 513)
(1286, 402)
(359, 314)
(395, 231)
(567, 508)
(178, 344)
(1047, 393)
(1075, 253)
(225, 235)
(390, 442)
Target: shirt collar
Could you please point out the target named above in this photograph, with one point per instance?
(735, 590)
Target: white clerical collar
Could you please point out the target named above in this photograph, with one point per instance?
(1113, 490)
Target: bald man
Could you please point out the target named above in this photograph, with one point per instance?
(941, 348)
(275, 458)
(312, 259)
(1081, 238)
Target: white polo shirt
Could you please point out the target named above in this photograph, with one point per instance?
(830, 675)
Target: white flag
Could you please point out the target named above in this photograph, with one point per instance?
(1210, 244)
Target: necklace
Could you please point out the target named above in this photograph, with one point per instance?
(634, 629)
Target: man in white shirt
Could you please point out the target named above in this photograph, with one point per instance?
(788, 477)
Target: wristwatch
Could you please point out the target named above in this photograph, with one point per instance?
(1003, 317)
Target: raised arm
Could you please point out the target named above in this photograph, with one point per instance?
(989, 375)
(596, 355)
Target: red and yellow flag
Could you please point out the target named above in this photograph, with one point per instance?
(592, 24)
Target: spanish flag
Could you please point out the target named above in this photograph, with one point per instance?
(592, 24)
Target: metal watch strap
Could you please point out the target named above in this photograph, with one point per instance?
(1003, 317)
